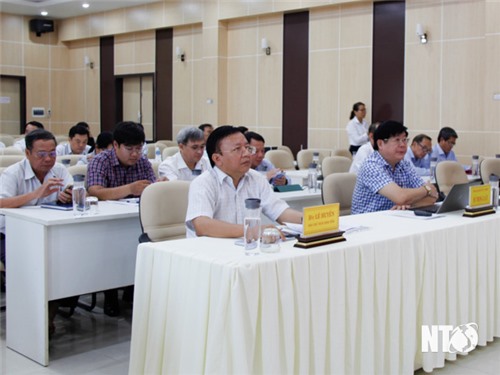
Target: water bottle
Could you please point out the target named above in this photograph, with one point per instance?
(251, 226)
(157, 154)
(475, 165)
(433, 167)
(494, 190)
(312, 177)
(319, 175)
(79, 195)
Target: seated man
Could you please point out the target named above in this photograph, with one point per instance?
(28, 128)
(77, 144)
(104, 142)
(217, 198)
(386, 181)
(188, 162)
(418, 154)
(35, 180)
(364, 151)
(207, 129)
(447, 139)
(119, 173)
(273, 175)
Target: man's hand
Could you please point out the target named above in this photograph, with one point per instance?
(280, 181)
(50, 186)
(273, 172)
(65, 196)
(136, 188)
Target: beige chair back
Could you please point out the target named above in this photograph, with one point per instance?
(167, 142)
(338, 188)
(488, 167)
(78, 169)
(285, 148)
(342, 152)
(335, 164)
(8, 160)
(305, 157)
(7, 140)
(169, 151)
(73, 159)
(155, 165)
(281, 159)
(11, 150)
(61, 139)
(162, 210)
(161, 146)
(449, 173)
(151, 150)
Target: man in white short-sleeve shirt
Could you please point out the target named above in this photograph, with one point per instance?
(188, 162)
(28, 128)
(217, 198)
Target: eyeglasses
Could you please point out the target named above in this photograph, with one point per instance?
(131, 150)
(44, 154)
(241, 149)
(196, 148)
(399, 141)
(425, 149)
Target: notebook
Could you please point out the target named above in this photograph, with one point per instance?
(457, 199)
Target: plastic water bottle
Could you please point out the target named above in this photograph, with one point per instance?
(312, 177)
(433, 167)
(157, 154)
(475, 165)
(251, 226)
(319, 174)
(494, 190)
(79, 195)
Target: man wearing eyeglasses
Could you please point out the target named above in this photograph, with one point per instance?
(387, 181)
(35, 180)
(188, 163)
(120, 172)
(217, 198)
(447, 138)
(418, 154)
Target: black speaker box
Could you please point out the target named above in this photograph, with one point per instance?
(40, 26)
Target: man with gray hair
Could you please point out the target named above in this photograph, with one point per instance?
(188, 162)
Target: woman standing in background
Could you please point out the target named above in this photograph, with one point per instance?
(357, 128)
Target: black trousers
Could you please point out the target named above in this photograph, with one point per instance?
(353, 149)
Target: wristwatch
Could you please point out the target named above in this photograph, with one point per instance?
(428, 189)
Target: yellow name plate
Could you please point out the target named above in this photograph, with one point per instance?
(479, 196)
(321, 219)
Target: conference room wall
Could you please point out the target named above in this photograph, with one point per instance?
(449, 81)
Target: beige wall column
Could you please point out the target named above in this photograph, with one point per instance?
(214, 67)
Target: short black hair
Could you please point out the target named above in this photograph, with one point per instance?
(447, 133)
(420, 137)
(373, 127)
(215, 138)
(37, 124)
(129, 133)
(203, 126)
(243, 129)
(253, 135)
(386, 130)
(37, 134)
(104, 140)
(79, 129)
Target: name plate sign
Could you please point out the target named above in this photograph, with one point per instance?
(321, 219)
(479, 195)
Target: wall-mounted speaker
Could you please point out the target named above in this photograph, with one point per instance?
(40, 26)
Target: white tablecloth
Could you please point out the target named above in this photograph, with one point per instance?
(201, 306)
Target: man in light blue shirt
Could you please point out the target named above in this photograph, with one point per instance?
(418, 154)
(447, 139)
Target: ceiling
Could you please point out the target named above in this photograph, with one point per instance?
(59, 9)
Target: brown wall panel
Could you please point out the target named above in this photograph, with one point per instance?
(164, 92)
(295, 79)
(111, 108)
(388, 61)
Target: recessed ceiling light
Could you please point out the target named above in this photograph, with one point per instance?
(85, 5)
(44, 13)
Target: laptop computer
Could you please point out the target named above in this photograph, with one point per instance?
(457, 199)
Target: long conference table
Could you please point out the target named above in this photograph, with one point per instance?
(52, 254)
(202, 306)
